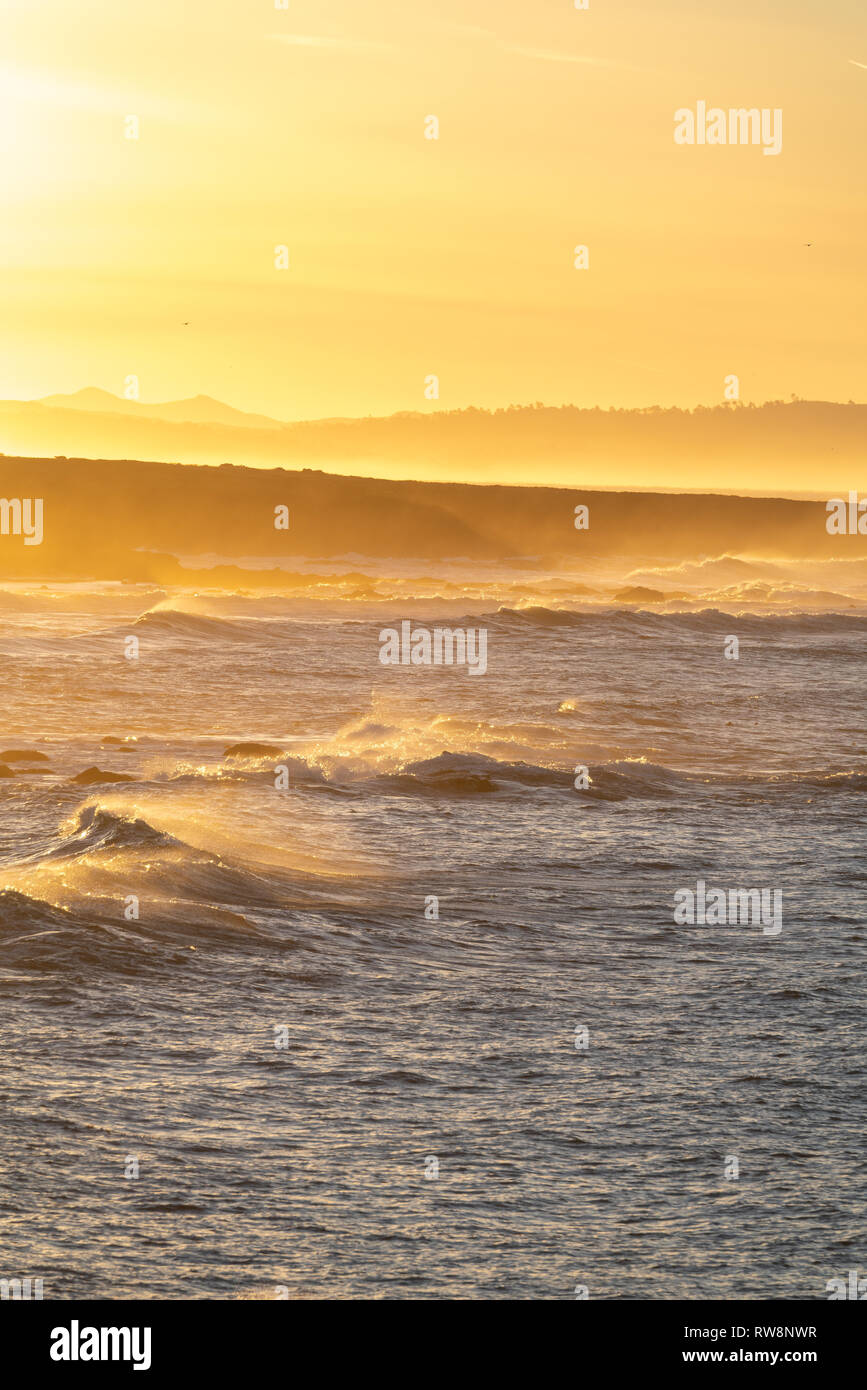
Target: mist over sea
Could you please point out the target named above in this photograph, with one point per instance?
(301, 1160)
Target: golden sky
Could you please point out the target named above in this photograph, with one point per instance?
(409, 257)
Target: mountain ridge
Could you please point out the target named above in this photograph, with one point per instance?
(779, 447)
(200, 409)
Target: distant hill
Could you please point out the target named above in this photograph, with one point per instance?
(781, 448)
(106, 520)
(197, 410)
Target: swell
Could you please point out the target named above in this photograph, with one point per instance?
(112, 841)
(176, 622)
(105, 861)
(95, 828)
(192, 900)
(704, 620)
(461, 774)
(40, 938)
(452, 773)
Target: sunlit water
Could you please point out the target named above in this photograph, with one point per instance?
(411, 1039)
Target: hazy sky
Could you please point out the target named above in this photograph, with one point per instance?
(260, 126)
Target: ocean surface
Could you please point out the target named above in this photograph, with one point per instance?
(329, 1085)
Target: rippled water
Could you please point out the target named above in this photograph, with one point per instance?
(410, 1039)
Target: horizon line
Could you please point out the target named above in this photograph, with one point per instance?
(727, 406)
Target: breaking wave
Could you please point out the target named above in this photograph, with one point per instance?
(703, 620)
(461, 773)
(95, 828)
(177, 622)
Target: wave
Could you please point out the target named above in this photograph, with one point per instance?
(41, 939)
(21, 913)
(452, 773)
(702, 620)
(462, 774)
(451, 754)
(94, 829)
(177, 622)
(66, 905)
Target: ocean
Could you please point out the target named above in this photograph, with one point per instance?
(326, 980)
